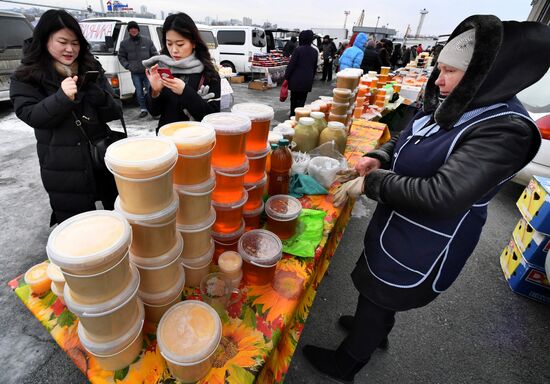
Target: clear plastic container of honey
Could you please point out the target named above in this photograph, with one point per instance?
(255, 193)
(229, 183)
(257, 161)
(229, 215)
(261, 250)
(231, 130)
(194, 201)
(282, 215)
(227, 241)
(260, 115)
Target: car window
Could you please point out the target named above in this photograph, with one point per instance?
(258, 38)
(98, 37)
(536, 98)
(231, 37)
(143, 31)
(15, 30)
(209, 39)
(159, 33)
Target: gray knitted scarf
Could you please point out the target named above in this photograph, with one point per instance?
(185, 66)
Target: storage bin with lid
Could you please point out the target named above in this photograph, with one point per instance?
(156, 304)
(282, 215)
(231, 130)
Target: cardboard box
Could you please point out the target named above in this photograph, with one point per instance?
(532, 244)
(236, 79)
(258, 85)
(522, 277)
(534, 204)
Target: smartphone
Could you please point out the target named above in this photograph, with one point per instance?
(89, 77)
(165, 73)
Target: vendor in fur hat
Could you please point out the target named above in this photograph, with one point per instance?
(194, 89)
(434, 181)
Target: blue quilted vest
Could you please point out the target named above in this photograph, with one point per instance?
(403, 250)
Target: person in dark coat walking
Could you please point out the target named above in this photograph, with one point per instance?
(371, 58)
(133, 50)
(406, 55)
(328, 53)
(48, 95)
(385, 52)
(396, 59)
(301, 70)
(194, 91)
(433, 182)
(289, 47)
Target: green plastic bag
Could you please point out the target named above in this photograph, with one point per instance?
(309, 233)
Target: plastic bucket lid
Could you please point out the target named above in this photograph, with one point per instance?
(284, 129)
(54, 273)
(260, 247)
(255, 155)
(150, 218)
(161, 261)
(230, 206)
(226, 123)
(89, 240)
(202, 261)
(33, 276)
(166, 297)
(189, 133)
(283, 207)
(254, 111)
(201, 346)
(254, 212)
(342, 92)
(257, 184)
(306, 121)
(53, 287)
(201, 189)
(239, 170)
(318, 115)
(192, 228)
(229, 238)
(150, 153)
(336, 124)
(106, 307)
(274, 137)
(113, 347)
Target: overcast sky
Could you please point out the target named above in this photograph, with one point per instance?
(443, 15)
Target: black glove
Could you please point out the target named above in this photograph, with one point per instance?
(95, 95)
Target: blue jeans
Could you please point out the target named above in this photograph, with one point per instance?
(140, 82)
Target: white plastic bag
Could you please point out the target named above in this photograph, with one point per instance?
(329, 149)
(300, 162)
(323, 169)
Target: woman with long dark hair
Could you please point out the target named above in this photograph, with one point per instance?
(49, 94)
(191, 90)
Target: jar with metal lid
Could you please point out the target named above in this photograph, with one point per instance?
(335, 131)
(306, 135)
(319, 121)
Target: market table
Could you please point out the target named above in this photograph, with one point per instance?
(273, 74)
(260, 332)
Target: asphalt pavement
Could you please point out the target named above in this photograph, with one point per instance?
(476, 332)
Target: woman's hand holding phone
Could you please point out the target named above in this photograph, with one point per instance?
(175, 85)
(69, 88)
(155, 80)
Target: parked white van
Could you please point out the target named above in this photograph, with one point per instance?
(106, 33)
(15, 30)
(238, 45)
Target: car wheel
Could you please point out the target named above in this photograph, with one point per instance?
(228, 64)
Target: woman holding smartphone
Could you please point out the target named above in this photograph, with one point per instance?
(184, 82)
(58, 83)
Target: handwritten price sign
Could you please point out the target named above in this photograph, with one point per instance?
(96, 31)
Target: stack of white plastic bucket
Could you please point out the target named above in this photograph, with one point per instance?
(194, 183)
(143, 168)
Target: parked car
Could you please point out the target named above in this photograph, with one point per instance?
(536, 99)
(106, 33)
(238, 46)
(15, 30)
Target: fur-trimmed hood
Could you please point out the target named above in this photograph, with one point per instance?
(508, 57)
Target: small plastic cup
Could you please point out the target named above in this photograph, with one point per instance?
(120, 352)
(231, 130)
(261, 250)
(257, 161)
(197, 238)
(282, 215)
(37, 279)
(188, 335)
(195, 142)
(156, 304)
(229, 183)
(252, 217)
(143, 167)
(229, 215)
(227, 241)
(255, 192)
(231, 264)
(153, 234)
(195, 201)
(260, 115)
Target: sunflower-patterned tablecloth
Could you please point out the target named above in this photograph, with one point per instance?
(260, 332)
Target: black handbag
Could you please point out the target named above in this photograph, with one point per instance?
(98, 148)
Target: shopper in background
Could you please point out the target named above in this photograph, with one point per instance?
(371, 58)
(406, 55)
(419, 49)
(48, 94)
(385, 52)
(414, 52)
(191, 90)
(133, 50)
(329, 52)
(433, 182)
(301, 70)
(396, 59)
(353, 56)
(289, 47)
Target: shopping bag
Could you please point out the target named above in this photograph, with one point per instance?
(284, 91)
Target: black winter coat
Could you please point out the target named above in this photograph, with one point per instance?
(172, 107)
(371, 60)
(133, 51)
(63, 153)
(301, 70)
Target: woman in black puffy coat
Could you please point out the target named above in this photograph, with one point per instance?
(48, 95)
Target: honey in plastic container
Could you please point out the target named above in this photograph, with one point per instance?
(156, 304)
(195, 201)
(256, 161)
(261, 250)
(195, 142)
(229, 215)
(197, 238)
(227, 241)
(282, 215)
(252, 218)
(231, 130)
(301, 112)
(255, 193)
(37, 279)
(341, 95)
(229, 183)
(260, 115)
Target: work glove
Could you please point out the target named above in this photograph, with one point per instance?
(346, 175)
(203, 92)
(352, 189)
